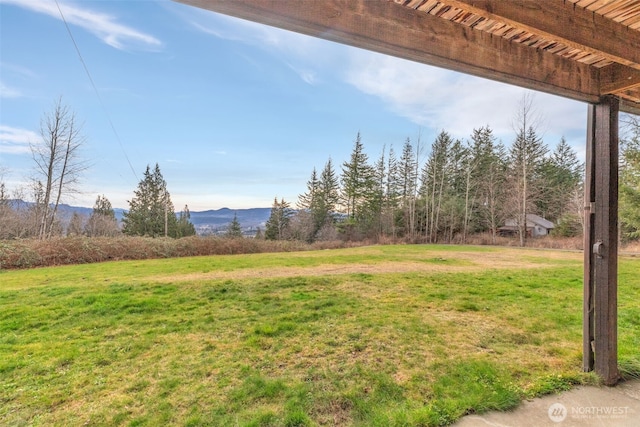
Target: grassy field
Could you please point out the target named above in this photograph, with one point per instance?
(382, 335)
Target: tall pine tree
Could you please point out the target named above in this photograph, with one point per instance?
(562, 175)
(184, 227)
(234, 230)
(324, 209)
(434, 184)
(277, 225)
(358, 193)
(356, 179)
(488, 176)
(526, 162)
(151, 211)
(407, 183)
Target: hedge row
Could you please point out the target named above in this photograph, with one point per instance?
(16, 254)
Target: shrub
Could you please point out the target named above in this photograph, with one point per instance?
(26, 253)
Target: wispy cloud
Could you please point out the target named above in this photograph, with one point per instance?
(442, 99)
(16, 140)
(15, 77)
(309, 76)
(306, 56)
(102, 25)
(428, 96)
(17, 70)
(9, 92)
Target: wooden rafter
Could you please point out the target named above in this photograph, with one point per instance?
(565, 22)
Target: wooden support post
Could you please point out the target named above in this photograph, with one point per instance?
(588, 324)
(600, 332)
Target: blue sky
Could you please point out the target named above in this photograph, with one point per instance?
(235, 113)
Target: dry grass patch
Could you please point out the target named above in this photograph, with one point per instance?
(413, 262)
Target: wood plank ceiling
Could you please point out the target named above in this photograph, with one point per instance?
(581, 49)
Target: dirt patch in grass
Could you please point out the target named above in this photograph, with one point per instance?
(431, 262)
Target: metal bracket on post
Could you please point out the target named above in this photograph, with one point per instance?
(598, 249)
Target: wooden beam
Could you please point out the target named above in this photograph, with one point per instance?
(601, 242)
(396, 30)
(565, 22)
(618, 78)
(630, 107)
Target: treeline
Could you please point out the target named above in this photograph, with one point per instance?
(452, 189)
(459, 189)
(151, 214)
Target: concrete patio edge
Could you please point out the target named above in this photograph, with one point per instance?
(584, 406)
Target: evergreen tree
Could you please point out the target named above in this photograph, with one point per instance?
(526, 162)
(488, 179)
(562, 175)
(391, 194)
(304, 225)
(317, 206)
(259, 234)
(326, 202)
(103, 207)
(356, 179)
(184, 227)
(378, 200)
(434, 185)
(407, 174)
(102, 221)
(151, 211)
(358, 193)
(234, 230)
(453, 203)
(277, 225)
(308, 200)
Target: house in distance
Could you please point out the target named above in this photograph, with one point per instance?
(536, 227)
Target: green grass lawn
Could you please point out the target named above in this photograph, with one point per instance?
(383, 335)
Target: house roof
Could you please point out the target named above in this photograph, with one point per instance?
(532, 221)
(538, 220)
(581, 49)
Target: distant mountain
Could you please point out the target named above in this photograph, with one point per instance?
(205, 222)
(248, 218)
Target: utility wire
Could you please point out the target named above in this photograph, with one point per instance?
(104, 108)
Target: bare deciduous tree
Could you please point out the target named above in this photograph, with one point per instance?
(57, 163)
